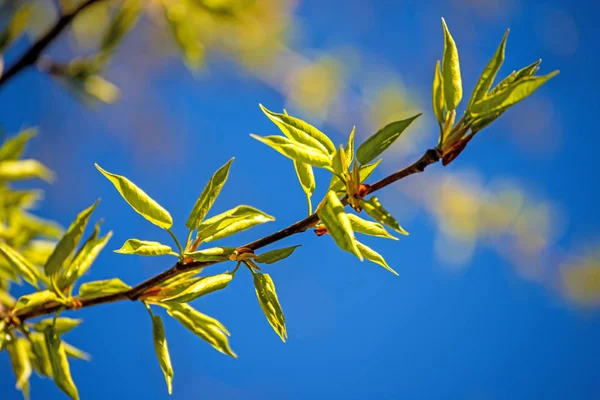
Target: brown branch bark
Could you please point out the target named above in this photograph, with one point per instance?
(430, 157)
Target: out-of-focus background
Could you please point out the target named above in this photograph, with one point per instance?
(499, 282)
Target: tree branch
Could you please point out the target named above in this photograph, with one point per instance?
(430, 157)
(32, 55)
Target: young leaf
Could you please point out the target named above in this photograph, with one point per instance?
(19, 264)
(437, 95)
(124, 20)
(381, 140)
(40, 359)
(18, 350)
(368, 228)
(212, 254)
(489, 74)
(83, 260)
(13, 148)
(203, 326)
(61, 372)
(230, 222)
(139, 200)
(269, 303)
(296, 151)
(306, 178)
(375, 257)
(18, 170)
(273, 256)
(185, 33)
(18, 23)
(338, 225)
(300, 131)
(74, 352)
(208, 196)
(374, 208)
(350, 146)
(91, 290)
(68, 242)
(514, 93)
(162, 350)
(364, 170)
(34, 299)
(144, 248)
(61, 325)
(202, 287)
(451, 79)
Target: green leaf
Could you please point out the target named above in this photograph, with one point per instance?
(437, 95)
(74, 352)
(202, 287)
(208, 196)
(18, 170)
(212, 254)
(17, 25)
(511, 95)
(368, 228)
(123, 22)
(365, 172)
(338, 225)
(83, 260)
(269, 303)
(306, 178)
(139, 200)
(18, 350)
(68, 242)
(91, 290)
(185, 32)
(489, 74)
(296, 151)
(41, 359)
(35, 299)
(61, 326)
(144, 248)
(60, 364)
(230, 222)
(300, 131)
(350, 146)
(375, 257)
(162, 350)
(451, 79)
(273, 256)
(203, 326)
(13, 148)
(381, 140)
(19, 264)
(374, 208)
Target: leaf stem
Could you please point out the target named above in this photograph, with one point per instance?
(177, 242)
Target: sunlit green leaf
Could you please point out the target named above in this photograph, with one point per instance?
(203, 326)
(185, 32)
(162, 351)
(24, 199)
(18, 170)
(18, 351)
(306, 178)
(61, 326)
(437, 95)
(374, 208)
(489, 73)
(91, 290)
(382, 140)
(124, 20)
(230, 222)
(68, 242)
(368, 228)
(83, 260)
(144, 248)
(211, 254)
(451, 78)
(202, 287)
(208, 196)
(350, 146)
(41, 359)
(139, 200)
(375, 257)
(19, 264)
(269, 303)
(6, 300)
(13, 148)
(15, 27)
(74, 352)
(35, 299)
(365, 171)
(296, 151)
(338, 225)
(61, 372)
(273, 256)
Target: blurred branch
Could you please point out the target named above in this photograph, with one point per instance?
(32, 55)
(431, 156)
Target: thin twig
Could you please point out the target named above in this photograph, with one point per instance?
(430, 157)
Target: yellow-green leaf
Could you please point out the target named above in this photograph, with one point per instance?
(18, 170)
(338, 225)
(19, 264)
(208, 196)
(16, 26)
(201, 287)
(61, 372)
(437, 95)
(13, 148)
(203, 326)
(139, 200)
(185, 32)
(18, 350)
(306, 178)
(489, 73)
(162, 351)
(374, 208)
(350, 146)
(91, 290)
(124, 20)
(273, 256)
(144, 248)
(211, 254)
(451, 78)
(296, 151)
(83, 260)
(74, 352)
(382, 140)
(364, 170)
(375, 257)
(368, 228)
(68, 242)
(269, 303)
(230, 222)
(34, 299)
(40, 360)
(61, 325)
